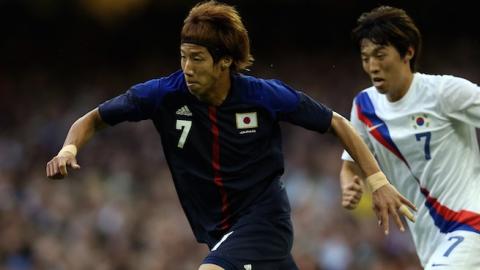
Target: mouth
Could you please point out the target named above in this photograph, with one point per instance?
(377, 81)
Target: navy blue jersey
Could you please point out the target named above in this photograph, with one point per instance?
(225, 160)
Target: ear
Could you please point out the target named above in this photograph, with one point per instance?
(409, 54)
(226, 62)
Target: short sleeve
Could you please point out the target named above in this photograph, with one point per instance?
(460, 100)
(137, 104)
(309, 114)
(290, 105)
(280, 97)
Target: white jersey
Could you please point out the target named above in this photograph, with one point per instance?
(427, 146)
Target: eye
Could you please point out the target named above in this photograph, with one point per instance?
(380, 55)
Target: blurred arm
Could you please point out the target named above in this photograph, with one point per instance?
(351, 184)
(83, 129)
(80, 132)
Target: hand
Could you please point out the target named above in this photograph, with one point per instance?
(387, 200)
(352, 193)
(57, 167)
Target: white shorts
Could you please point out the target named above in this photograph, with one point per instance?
(457, 250)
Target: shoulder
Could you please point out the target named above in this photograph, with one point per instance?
(445, 86)
(367, 95)
(273, 94)
(441, 82)
(160, 86)
(450, 81)
(263, 88)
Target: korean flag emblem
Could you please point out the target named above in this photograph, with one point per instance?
(246, 120)
(420, 121)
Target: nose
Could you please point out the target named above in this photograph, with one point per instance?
(187, 68)
(372, 65)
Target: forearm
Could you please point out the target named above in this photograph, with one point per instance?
(83, 129)
(354, 144)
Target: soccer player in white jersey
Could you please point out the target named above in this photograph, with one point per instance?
(421, 129)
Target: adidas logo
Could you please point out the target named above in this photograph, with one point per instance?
(184, 111)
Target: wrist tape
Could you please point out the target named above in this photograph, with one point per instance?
(71, 148)
(376, 181)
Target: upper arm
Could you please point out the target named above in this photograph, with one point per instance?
(309, 114)
(138, 103)
(290, 105)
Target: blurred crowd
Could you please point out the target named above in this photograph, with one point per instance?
(120, 210)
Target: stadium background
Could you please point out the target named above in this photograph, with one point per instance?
(59, 59)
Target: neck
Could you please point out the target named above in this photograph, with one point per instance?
(402, 89)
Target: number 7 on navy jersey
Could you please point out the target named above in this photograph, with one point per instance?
(184, 126)
(427, 136)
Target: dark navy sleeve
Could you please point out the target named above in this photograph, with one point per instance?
(138, 103)
(297, 108)
(309, 114)
(281, 98)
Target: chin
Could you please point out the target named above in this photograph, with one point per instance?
(194, 89)
(380, 88)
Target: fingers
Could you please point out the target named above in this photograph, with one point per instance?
(352, 194)
(350, 204)
(404, 211)
(73, 163)
(405, 201)
(396, 218)
(384, 220)
(62, 167)
(387, 201)
(356, 185)
(57, 167)
(57, 171)
(350, 197)
(52, 170)
(379, 216)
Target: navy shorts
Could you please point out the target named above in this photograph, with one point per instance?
(255, 243)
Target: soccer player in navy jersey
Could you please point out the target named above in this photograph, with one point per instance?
(221, 137)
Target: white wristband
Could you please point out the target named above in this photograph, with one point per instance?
(376, 181)
(71, 148)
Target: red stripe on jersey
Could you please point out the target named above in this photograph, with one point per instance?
(465, 217)
(384, 137)
(212, 114)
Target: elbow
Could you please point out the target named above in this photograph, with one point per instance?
(91, 121)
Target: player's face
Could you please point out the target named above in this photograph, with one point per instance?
(385, 67)
(201, 73)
